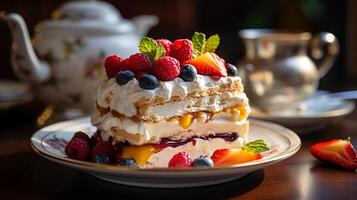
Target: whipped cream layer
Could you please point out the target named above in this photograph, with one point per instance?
(201, 147)
(123, 98)
(153, 132)
(211, 103)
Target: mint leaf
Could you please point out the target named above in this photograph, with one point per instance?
(198, 43)
(151, 48)
(256, 146)
(160, 51)
(212, 43)
(147, 45)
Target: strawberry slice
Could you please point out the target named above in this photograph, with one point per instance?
(224, 157)
(209, 64)
(339, 152)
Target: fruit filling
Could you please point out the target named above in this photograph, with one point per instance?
(167, 142)
(141, 153)
(238, 113)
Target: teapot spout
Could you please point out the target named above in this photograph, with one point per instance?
(144, 23)
(24, 60)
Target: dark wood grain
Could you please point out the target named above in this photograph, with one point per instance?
(25, 175)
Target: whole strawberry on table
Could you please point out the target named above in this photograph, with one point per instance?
(339, 152)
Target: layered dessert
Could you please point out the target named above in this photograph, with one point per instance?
(197, 117)
(171, 104)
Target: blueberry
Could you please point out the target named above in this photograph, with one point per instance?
(148, 82)
(104, 159)
(188, 73)
(127, 162)
(202, 161)
(123, 77)
(232, 70)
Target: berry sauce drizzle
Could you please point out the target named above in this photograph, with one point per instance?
(166, 142)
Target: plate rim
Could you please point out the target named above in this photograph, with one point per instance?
(349, 107)
(293, 138)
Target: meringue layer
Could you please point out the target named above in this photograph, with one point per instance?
(124, 98)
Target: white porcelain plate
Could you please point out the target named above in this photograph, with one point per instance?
(50, 142)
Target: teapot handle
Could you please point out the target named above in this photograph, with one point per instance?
(324, 50)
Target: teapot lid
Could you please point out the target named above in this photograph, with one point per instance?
(96, 16)
(88, 10)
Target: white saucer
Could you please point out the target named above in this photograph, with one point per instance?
(50, 141)
(13, 93)
(310, 114)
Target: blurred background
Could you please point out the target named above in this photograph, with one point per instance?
(180, 18)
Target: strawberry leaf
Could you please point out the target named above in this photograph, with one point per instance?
(151, 48)
(212, 43)
(198, 43)
(256, 146)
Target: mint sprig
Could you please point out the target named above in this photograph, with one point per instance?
(201, 45)
(212, 43)
(151, 48)
(198, 43)
(256, 146)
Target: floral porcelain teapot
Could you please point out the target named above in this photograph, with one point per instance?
(64, 65)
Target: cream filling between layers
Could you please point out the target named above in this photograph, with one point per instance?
(212, 103)
(220, 123)
(201, 147)
(123, 98)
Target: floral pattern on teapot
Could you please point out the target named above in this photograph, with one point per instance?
(70, 48)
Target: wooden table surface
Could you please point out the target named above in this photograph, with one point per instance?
(25, 175)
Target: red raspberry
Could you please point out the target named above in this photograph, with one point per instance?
(181, 160)
(138, 62)
(77, 149)
(96, 137)
(166, 44)
(182, 50)
(166, 68)
(103, 148)
(81, 135)
(112, 65)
